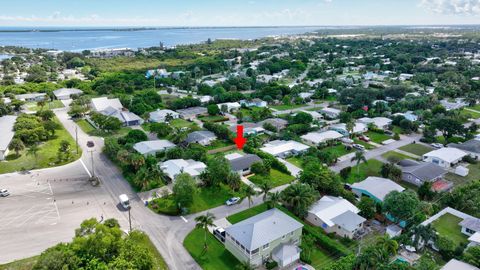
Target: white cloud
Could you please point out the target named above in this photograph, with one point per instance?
(455, 7)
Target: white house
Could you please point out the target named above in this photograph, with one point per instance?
(66, 93)
(375, 188)
(6, 127)
(331, 113)
(336, 215)
(161, 116)
(283, 149)
(32, 97)
(317, 138)
(102, 103)
(379, 122)
(445, 157)
(114, 108)
(174, 167)
(203, 137)
(454, 264)
(152, 147)
(315, 115)
(256, 102)
(231, 106)
(342, 128)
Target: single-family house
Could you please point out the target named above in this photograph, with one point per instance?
(318, 138)
(305, 95)
(67, 93)
(174, 167)
(474, 239)
(229, 106)
(284, 149)
(249, 128)
(113, 108)
(458, 104)
(278, 123)
(271, 235)
(405, 77)
(6, 126)
(152, 147)
(445, 157)
(32, 97)
(256, 102)
(193, 112)
(472, 147)
(161, 116)
(331, 113)
(417, 173)
(203, 137)
(336, 215)
(454, 264)
(341, 128)
(315, 115)
(375, 188)
(379, 122)
(470, 226)
(242, 164)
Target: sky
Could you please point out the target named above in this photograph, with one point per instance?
(237, 12)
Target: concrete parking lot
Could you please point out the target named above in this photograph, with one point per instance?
(45, 207)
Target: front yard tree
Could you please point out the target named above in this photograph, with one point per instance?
(213, 109)
(359, 158)
(249, 192)
(33, 151)
(183, 190)
(299, 197)
(367, 207)
(265, 186)
(17, 146)
(401, 205)
(203, 222)
(217, 171)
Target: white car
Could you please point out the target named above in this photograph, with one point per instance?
(359, 147)
(4, 193)
(437, 145)
(232, 201)
(124, 201)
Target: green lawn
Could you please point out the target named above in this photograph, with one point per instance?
(216, 257)
(213, 118)
(46, 156)
(23, 264)
(50, 105)
(276, 178)
(339, 150)
(397, 129)
(320, 258)
(295, 161)
(476, 108)
(92, 131)
(416, 149)
(204, 199)
(219, 144)
(473, 175)
(85, 126)
(253, 211)
(469, 114)
(447, 226)
(399, 156)
(377, 137)
(372, 168)
(181, 123)
(287, 107)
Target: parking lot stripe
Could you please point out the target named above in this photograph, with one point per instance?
(85, 167)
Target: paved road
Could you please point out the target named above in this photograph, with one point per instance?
(374, 153)
(306, 107)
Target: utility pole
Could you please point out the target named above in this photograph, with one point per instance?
(93, 165)
(129, 218)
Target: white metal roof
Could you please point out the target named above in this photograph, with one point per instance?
(278, 147)
(447, 154)
(378, 186)
(329, 207)
(320, 137)
(6, 129)
(101, 103)
(174, 167)
(152, 146)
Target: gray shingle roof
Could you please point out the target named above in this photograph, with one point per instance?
(425, 171)
(244, 162)
(263, 228)
(197, 136)
(348, 220)
(470, 146)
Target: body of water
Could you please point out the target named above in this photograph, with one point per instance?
(90, 39)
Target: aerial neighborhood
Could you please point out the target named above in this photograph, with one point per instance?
(362, 152)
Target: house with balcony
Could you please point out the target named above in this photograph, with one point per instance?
(271, 235)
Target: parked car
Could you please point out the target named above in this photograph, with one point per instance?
(364, 138)
(90, 144)
(346, 140)
(359, 147)
(4, 193)
(437, 145)
(219, 233)
(388, 132)
(232, 201)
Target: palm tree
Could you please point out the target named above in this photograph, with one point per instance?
(390, 246)
(273, 199)
(249, 192)
(423, 234)
(350, 125)
(265, 186)
(17, 146)
(136, 161)
(33, 151)
(299, 197)
(359, 158)
(204, 222)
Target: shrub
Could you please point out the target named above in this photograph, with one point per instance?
(271, 265)
(345, 172)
